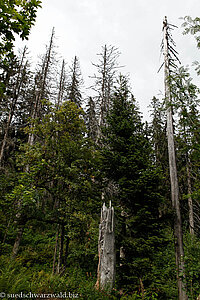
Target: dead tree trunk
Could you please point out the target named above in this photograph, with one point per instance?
(61, 85)
(42, 83)
(106, 248)
(190, 201)
(173, 173)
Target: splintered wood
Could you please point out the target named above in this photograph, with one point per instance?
(106, 248)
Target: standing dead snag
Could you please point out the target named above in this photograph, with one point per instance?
(178, 233)
(106, 248)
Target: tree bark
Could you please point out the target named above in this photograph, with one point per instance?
(190, 201)
(61, 85)
(18, 241)
(106, 247)
(66, 254)
(60, 254)
(178, 234)
(55, 251)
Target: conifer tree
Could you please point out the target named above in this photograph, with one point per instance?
(91, 120)
(158, 132)
(185, 96)
(74, 83)
(104, 83)
(126, 156)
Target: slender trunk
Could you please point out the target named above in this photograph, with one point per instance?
(179, 251)
(65, 257)
(60, 254)
(61, 85)
(72, 94)
(190, 201)
(5, 235)
(103, 91)
(141, 288)
(189, 188)
(21, 222)
(123, 233)
(66, 252)
(18, 241)
(55, 250)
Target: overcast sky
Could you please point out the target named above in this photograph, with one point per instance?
(82, 27)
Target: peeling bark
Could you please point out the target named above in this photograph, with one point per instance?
(106, 247)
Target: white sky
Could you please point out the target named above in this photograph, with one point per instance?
(82, 27)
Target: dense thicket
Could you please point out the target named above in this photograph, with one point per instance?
(63, 155)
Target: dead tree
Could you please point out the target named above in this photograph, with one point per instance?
(104, 81)
(106, 248)
(61, 85)
(178, 234)
(41, 86)
(190, 200)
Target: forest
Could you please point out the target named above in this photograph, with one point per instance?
(64, 155)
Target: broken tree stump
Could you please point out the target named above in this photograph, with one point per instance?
(106, 248)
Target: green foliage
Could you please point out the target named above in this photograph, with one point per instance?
(192, 26)
(17, 17)
(56, 186)
(126, 159)
(17, 279)
(61, 155)
(192, 259)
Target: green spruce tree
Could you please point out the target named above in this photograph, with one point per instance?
(127, 160)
